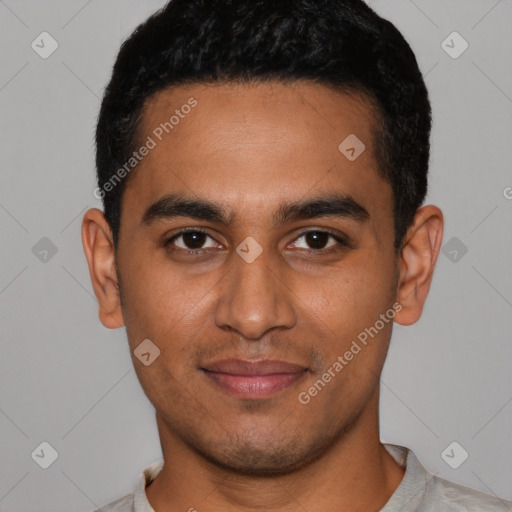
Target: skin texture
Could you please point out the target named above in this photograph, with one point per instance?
(250, 149)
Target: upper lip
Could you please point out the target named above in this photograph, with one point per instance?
(245, 367)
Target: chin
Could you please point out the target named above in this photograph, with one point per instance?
(265, 459)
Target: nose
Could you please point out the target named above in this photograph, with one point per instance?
(254, 298)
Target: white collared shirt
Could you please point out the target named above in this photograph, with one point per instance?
(419, 491)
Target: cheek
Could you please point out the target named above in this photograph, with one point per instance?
(351, 295)
(346, 308)
(157, 297)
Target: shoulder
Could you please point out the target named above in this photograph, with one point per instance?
(460, 498)
(423, 491)
(124, 504)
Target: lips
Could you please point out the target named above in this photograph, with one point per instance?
(253, 379)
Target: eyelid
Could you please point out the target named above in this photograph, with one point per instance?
(342, 240)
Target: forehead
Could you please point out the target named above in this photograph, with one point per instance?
(255, 143)
(250, 114)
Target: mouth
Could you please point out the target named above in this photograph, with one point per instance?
(253, 379)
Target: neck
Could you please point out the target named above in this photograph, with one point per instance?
(356, 474)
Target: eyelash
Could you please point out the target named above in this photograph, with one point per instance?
(342, 242)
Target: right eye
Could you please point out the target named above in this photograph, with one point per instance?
(191, 240)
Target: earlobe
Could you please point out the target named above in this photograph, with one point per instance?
(417, 261)
(99, 251)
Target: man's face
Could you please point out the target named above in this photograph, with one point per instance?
(251, 152)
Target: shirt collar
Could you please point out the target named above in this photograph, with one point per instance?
(413, 486)
(140, 500)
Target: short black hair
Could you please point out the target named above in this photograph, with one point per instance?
(342, 44)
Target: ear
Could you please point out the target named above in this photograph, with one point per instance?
(417, 261)
(98, 246)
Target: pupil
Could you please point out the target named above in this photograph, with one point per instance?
(194, 239)
(317, 239)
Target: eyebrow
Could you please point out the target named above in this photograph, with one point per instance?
(325, 205)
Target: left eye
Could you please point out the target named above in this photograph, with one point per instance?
(193, 240)
(317, 240)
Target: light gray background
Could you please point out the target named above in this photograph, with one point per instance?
(67, 380)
